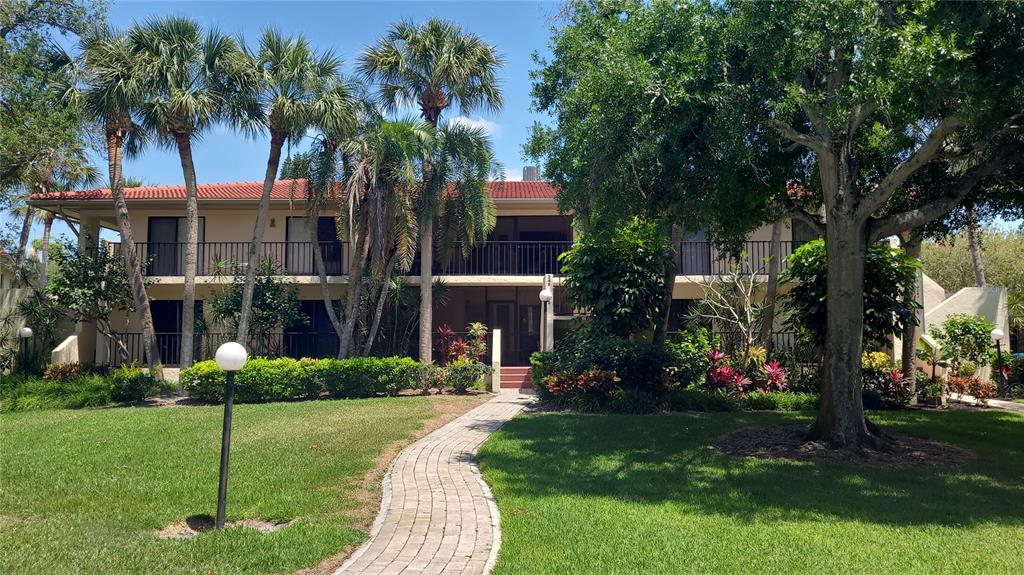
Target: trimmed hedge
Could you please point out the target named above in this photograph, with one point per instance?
(285, 379)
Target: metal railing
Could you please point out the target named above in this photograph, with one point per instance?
(702, 258)
(230, 258)
(294, 344)
(501, 258)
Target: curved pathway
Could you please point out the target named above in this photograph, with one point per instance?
(437, 515)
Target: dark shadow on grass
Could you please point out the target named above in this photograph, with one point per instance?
(669, 459)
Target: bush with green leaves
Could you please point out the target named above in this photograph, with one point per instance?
(29, 393)
(130, 383)
(464, 374)
(691, 351)
(617, 274)
(780, 401)
(262, 380)
(889, 281)
(204, 381)
(964, 338)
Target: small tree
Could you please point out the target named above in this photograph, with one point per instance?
(889, 280)
(964, 338)
(90, 286)
(275, 305)
(618, 276)
(733, 303)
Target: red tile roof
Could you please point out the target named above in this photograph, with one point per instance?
(283, 190)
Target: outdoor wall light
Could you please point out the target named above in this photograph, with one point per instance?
(230, 357)
(546, 295)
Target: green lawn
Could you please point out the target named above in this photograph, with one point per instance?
(84, 491)
(634, 494)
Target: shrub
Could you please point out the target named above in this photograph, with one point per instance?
(699, 400)
(35, 394)
(130, 383)
(398, 373)
(966, 369)
(964, 338)
(689, 351)
(542, 365)
(780, 401)
(65, 372)
(981, 390)
(352, 377)
(464, 374)
(204, 381)
(723, 377)
(633, 401)
(775, 377)
(262, 380)
(884, 384)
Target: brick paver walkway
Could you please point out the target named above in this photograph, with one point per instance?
(437, 515)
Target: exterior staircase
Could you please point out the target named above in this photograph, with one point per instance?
(515, 377)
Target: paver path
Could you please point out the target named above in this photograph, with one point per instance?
(437, 514)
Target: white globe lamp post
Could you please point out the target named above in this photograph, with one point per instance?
(230, 357)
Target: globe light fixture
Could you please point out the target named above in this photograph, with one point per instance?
(546, 295)
(230, 357)
(25, 332)
(997, 333)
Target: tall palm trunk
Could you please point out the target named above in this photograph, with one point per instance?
(381, 299)
(313, 215)
(115, 141)
(911, 243)
(427, 291)
(355, 286)
(974, 246)
(19, 258)
(277, 139)
(188, 304)
(774, 263)
(45, 261)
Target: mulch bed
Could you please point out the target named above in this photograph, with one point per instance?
(790, 442)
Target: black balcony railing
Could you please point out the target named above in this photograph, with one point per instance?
(501, 258)
(230, 258)
(205, 346)
(485, 258)
(702, 258)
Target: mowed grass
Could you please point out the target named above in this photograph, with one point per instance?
(86, 491)
(634, 494)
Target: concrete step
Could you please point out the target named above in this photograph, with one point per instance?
(516, 377)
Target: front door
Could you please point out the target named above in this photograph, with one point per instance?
(501, 315)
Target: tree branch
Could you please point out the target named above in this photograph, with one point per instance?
(818, 145)
(921, 156)
(860, 113)
(895, 223)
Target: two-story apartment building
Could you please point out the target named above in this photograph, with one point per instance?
(498, 284)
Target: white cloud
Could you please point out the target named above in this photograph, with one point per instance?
(513, 174)
(492, 128)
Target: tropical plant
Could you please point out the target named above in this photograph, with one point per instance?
(275, 304)
(964, 339)
(192, 81)
(292, 81)
(433, 65)
(616, 274)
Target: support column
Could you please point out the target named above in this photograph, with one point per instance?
(496, 360)
(548, 328)
(88, 240)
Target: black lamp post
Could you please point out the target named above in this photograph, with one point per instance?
(997, 335)
(230, 357)
(24, 333)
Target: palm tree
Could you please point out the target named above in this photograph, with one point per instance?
(432, 65)
(109, 91)
(292, 79)
(383, 178)
(193, 81)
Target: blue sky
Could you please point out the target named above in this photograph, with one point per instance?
(517, 29)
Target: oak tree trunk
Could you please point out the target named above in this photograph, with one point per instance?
(188, 305)
(840, 421)
(277, 139)
(131, 257)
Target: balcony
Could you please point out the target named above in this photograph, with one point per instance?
(702, 258)
(229, 258)
(490, 258)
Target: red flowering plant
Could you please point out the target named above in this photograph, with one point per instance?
(723, 377)
(595, 381)
(775, 377)
(448, 347)
(801, 195)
